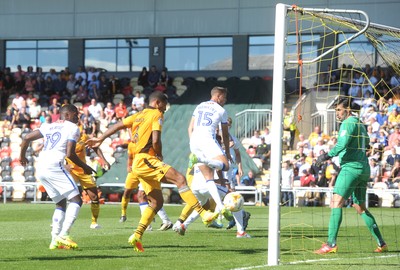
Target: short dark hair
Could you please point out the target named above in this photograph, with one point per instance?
(157, 95)
(68, 108)
(347, 102)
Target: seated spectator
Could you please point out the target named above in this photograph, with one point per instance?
(267, 136)
(35, 109)
(393, 137)
(307, 179)
(249, 179)
(320, 146)
(317, 133)
(17, 101)
(153, 77)
(55, 114)
(383, 137)
(251, 151)
(120, 110)
(95, 110)
(138, 101)
(394, 179)
(393, 119)
(303, 166)
(263, 152)
(298, 156)
(303, 142)
(382, 118)
(143, 78)
(81, 94)
(109, 112)
(375, 173)
(255, 140)
(88, 126)
(71, 86)
(54, 104)
(21, 119)
(392, 157)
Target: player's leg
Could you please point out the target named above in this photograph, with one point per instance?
(131, 183)
(344, 187)
(156, 200)
(174, 177)
(57, 221)
(359, 196)
(94, 206)
(143, 204)
(166, 222)
(124, 203)
(203, 196)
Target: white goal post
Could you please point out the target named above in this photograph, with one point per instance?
(277, 123)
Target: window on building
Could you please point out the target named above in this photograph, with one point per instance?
(187, 54)
(261, 52)
(46, 54)
(128, 54)
(359, 48)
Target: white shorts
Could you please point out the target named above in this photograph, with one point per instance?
(205, 149)
(57, 181)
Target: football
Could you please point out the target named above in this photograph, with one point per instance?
(233, 201)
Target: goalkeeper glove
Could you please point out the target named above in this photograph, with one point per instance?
(321, 159)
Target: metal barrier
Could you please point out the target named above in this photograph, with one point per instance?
(7, 185)
(248, 121)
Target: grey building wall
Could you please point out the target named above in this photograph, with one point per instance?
(46, 19)
(77, 20)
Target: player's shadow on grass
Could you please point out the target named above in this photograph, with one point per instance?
(72, 256)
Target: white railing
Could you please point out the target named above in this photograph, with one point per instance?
(247, 121)
(10, 185)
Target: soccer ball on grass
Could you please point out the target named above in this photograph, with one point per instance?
(234, 201)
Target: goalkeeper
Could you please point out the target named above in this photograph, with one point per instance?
(353, 177)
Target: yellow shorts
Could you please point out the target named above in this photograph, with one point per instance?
(85, 180)
(149, 170)
(131, 182)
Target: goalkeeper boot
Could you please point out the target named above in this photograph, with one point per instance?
(122, 219)
(325, 249)
(136, 243)
(382, 249)
(66, 241)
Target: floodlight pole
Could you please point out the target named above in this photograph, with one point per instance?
(277, 134)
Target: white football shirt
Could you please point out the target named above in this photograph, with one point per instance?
(56, 136)
(207, 116)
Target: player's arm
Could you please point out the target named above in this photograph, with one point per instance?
(343, 139)
(101, 155)
(96, 142)
(225, 139)
(239, 162)
(71, 155)
(32, 136)
(190, 128)
(157, 145)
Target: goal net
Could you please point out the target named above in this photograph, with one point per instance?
(323, 54)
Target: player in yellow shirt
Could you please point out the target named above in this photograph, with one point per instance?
(132, 183)
(86, 180)
(148, 163)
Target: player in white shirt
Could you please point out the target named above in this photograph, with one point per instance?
(59, 142)
(200, 190)
(205, 149)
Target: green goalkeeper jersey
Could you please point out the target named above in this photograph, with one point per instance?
(352, 143)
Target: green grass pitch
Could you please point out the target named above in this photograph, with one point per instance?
(25, 236)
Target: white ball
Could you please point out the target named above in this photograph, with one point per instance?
(234, 201)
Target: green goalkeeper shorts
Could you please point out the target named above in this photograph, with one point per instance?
(352, 182)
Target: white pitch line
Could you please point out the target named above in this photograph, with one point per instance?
(318, 260)
(336, 259)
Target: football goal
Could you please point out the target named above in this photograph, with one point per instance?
(323, 54)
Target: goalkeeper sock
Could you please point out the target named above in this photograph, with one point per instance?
(334, 225)
(373, 227)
